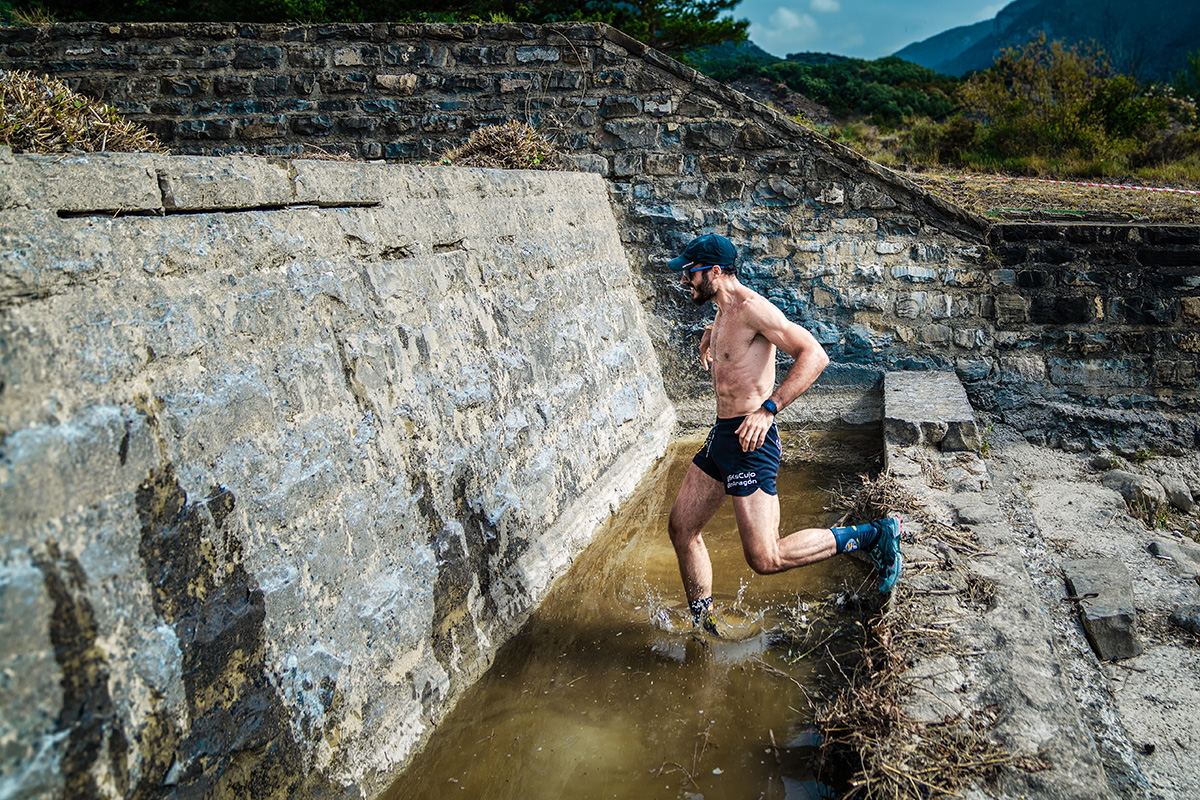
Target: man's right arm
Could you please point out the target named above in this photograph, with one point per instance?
(706, 348)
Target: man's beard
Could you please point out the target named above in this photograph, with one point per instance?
(705, 291)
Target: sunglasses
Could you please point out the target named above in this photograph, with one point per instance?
(696, 269)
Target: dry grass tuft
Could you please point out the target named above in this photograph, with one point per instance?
(980, 591)
(900, 758)
(42, 115)
(313, 152)
(873, 498)
(883, 495)
(892, 755)
(513, 145)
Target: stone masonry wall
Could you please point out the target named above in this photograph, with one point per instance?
(886, 276)
(287, 450)
(826, 232)
(1096, 330)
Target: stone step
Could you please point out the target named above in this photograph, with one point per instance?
(929, 408)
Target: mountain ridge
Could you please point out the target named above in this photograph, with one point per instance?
(1149, 39)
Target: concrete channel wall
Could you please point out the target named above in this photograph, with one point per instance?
(287, 450)
(1057, 328)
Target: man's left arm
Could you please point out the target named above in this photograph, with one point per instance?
(810, 361)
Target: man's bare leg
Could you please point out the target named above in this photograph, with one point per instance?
(699, 498)
(767, 553)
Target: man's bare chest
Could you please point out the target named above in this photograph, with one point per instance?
(733, 342)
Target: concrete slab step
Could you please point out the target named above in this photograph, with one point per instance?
(929, 408)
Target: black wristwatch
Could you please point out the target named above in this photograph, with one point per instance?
(769, 405)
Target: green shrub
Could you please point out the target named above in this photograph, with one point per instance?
(1187, 80)
(1060, 103)
(884, 90)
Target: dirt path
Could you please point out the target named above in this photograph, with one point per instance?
(1140, 710)
(1013, 199)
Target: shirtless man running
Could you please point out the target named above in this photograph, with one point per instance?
(741, 456)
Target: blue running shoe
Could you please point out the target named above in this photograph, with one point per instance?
(886, 552)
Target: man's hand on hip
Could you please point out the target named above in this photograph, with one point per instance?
(753, 430)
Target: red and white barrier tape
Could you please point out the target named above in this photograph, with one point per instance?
(1076, 183)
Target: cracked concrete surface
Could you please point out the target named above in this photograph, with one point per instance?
(1117, 730)
(1137, 708)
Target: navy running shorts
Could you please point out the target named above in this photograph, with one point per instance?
(722, 459)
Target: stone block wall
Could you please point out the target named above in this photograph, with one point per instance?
(886, 275)
(287, 450)
(1105, 316)
(828, 234)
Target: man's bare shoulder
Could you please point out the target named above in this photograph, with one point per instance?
(757, 311)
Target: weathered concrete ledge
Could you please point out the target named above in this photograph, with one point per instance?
(1005, 658)
(287, 450)
(1023, 603)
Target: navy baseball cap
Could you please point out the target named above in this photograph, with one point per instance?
(711, 249)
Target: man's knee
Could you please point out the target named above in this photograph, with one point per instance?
(764, 562)
(681, 534)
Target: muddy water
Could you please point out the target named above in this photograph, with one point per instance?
(607, 692)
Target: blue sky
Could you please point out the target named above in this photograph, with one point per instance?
(859, 28)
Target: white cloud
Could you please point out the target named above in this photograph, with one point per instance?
(826, 6)
(784, 19)
(786, 31)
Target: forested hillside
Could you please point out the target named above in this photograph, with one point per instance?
(1045, 108)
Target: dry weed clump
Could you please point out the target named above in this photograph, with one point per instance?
(892, 755)
(513, 145)
(897, 757)
(885, 494)
(42, 115)
(312, 152)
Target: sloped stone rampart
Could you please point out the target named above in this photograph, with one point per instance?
(1063, 330)
(287, 450)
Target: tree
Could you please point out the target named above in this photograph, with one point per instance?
(673, 26)
(669, 25)
(1056, 101)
